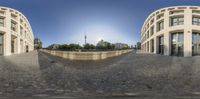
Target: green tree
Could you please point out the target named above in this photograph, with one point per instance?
(89, 46)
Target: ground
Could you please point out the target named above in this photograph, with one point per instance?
(37, 75)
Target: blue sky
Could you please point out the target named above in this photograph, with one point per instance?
(66, 21)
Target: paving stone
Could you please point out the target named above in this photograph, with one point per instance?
(34, 74)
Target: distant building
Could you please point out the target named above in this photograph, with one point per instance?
(37, 43)
(120, 45)
(53, 46)
(102, 43)
(138, 46)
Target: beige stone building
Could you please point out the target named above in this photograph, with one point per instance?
(172, 31)
(16, 35)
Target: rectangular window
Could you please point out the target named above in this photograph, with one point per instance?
(152, 21)
(147, 34)
(147, 26)
(160, 16)
(25, 34)
(177, 21)
(13, 16)
(196, 20)
(152, 30)
(177, 12)
(2, 12)
(2, 22)
(160, 26)
(196, 11)
(21, 21)
(13, 26)
(21, 31)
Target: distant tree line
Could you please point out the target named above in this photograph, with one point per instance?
(70, 47)
(101, 45)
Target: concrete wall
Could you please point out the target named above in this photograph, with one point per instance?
(87, 55)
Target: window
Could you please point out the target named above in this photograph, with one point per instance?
(21, 21)
(176, 12)
(2, 12)
(147, 34)
(145, 37)
(152, 21)
(160, 26)
(13, 26)
(25, 34)
(177, 21)
(13, 16)
(160, 16)
(147, 26)
(2, 22)
(196, 20)
(196, 11)
(152, 30)
(21, 31)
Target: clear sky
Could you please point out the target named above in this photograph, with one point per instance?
(66, 21)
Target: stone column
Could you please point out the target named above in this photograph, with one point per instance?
(18, 47)
(187, 33)
(155, 45)
(7, 35)
(167, 46)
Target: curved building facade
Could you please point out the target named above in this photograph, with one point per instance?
(16, 35)
(172, 31)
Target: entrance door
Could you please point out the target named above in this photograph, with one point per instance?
(21, 46)
(195, 44)
(26, 48)
(12, 46)
(161, 45)
(152, 45)
(177, 44)
(1, 44)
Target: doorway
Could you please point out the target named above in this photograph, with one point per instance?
(177, 44)
(12, 46)
(195, 43)
(27, 49)
(1, 44)
(152, 45)
(161, 45)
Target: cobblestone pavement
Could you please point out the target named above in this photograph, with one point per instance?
(37, 75)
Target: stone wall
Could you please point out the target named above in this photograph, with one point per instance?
(87, 55)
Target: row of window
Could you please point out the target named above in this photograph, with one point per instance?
(13, 27)
(171, 12)
(174, 22)
(13, 24)
(13, 14)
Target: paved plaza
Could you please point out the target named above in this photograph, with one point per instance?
(40, 76)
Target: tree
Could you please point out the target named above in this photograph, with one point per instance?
(70, 47)
(126, 46)
(89, 46)
(104, 45)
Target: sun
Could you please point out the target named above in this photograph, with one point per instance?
(99, 39)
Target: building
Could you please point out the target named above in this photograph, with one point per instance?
(53, 47)
(138, 46)
(16, 35)
(121, 46)
(37, 43)
(172, 31)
